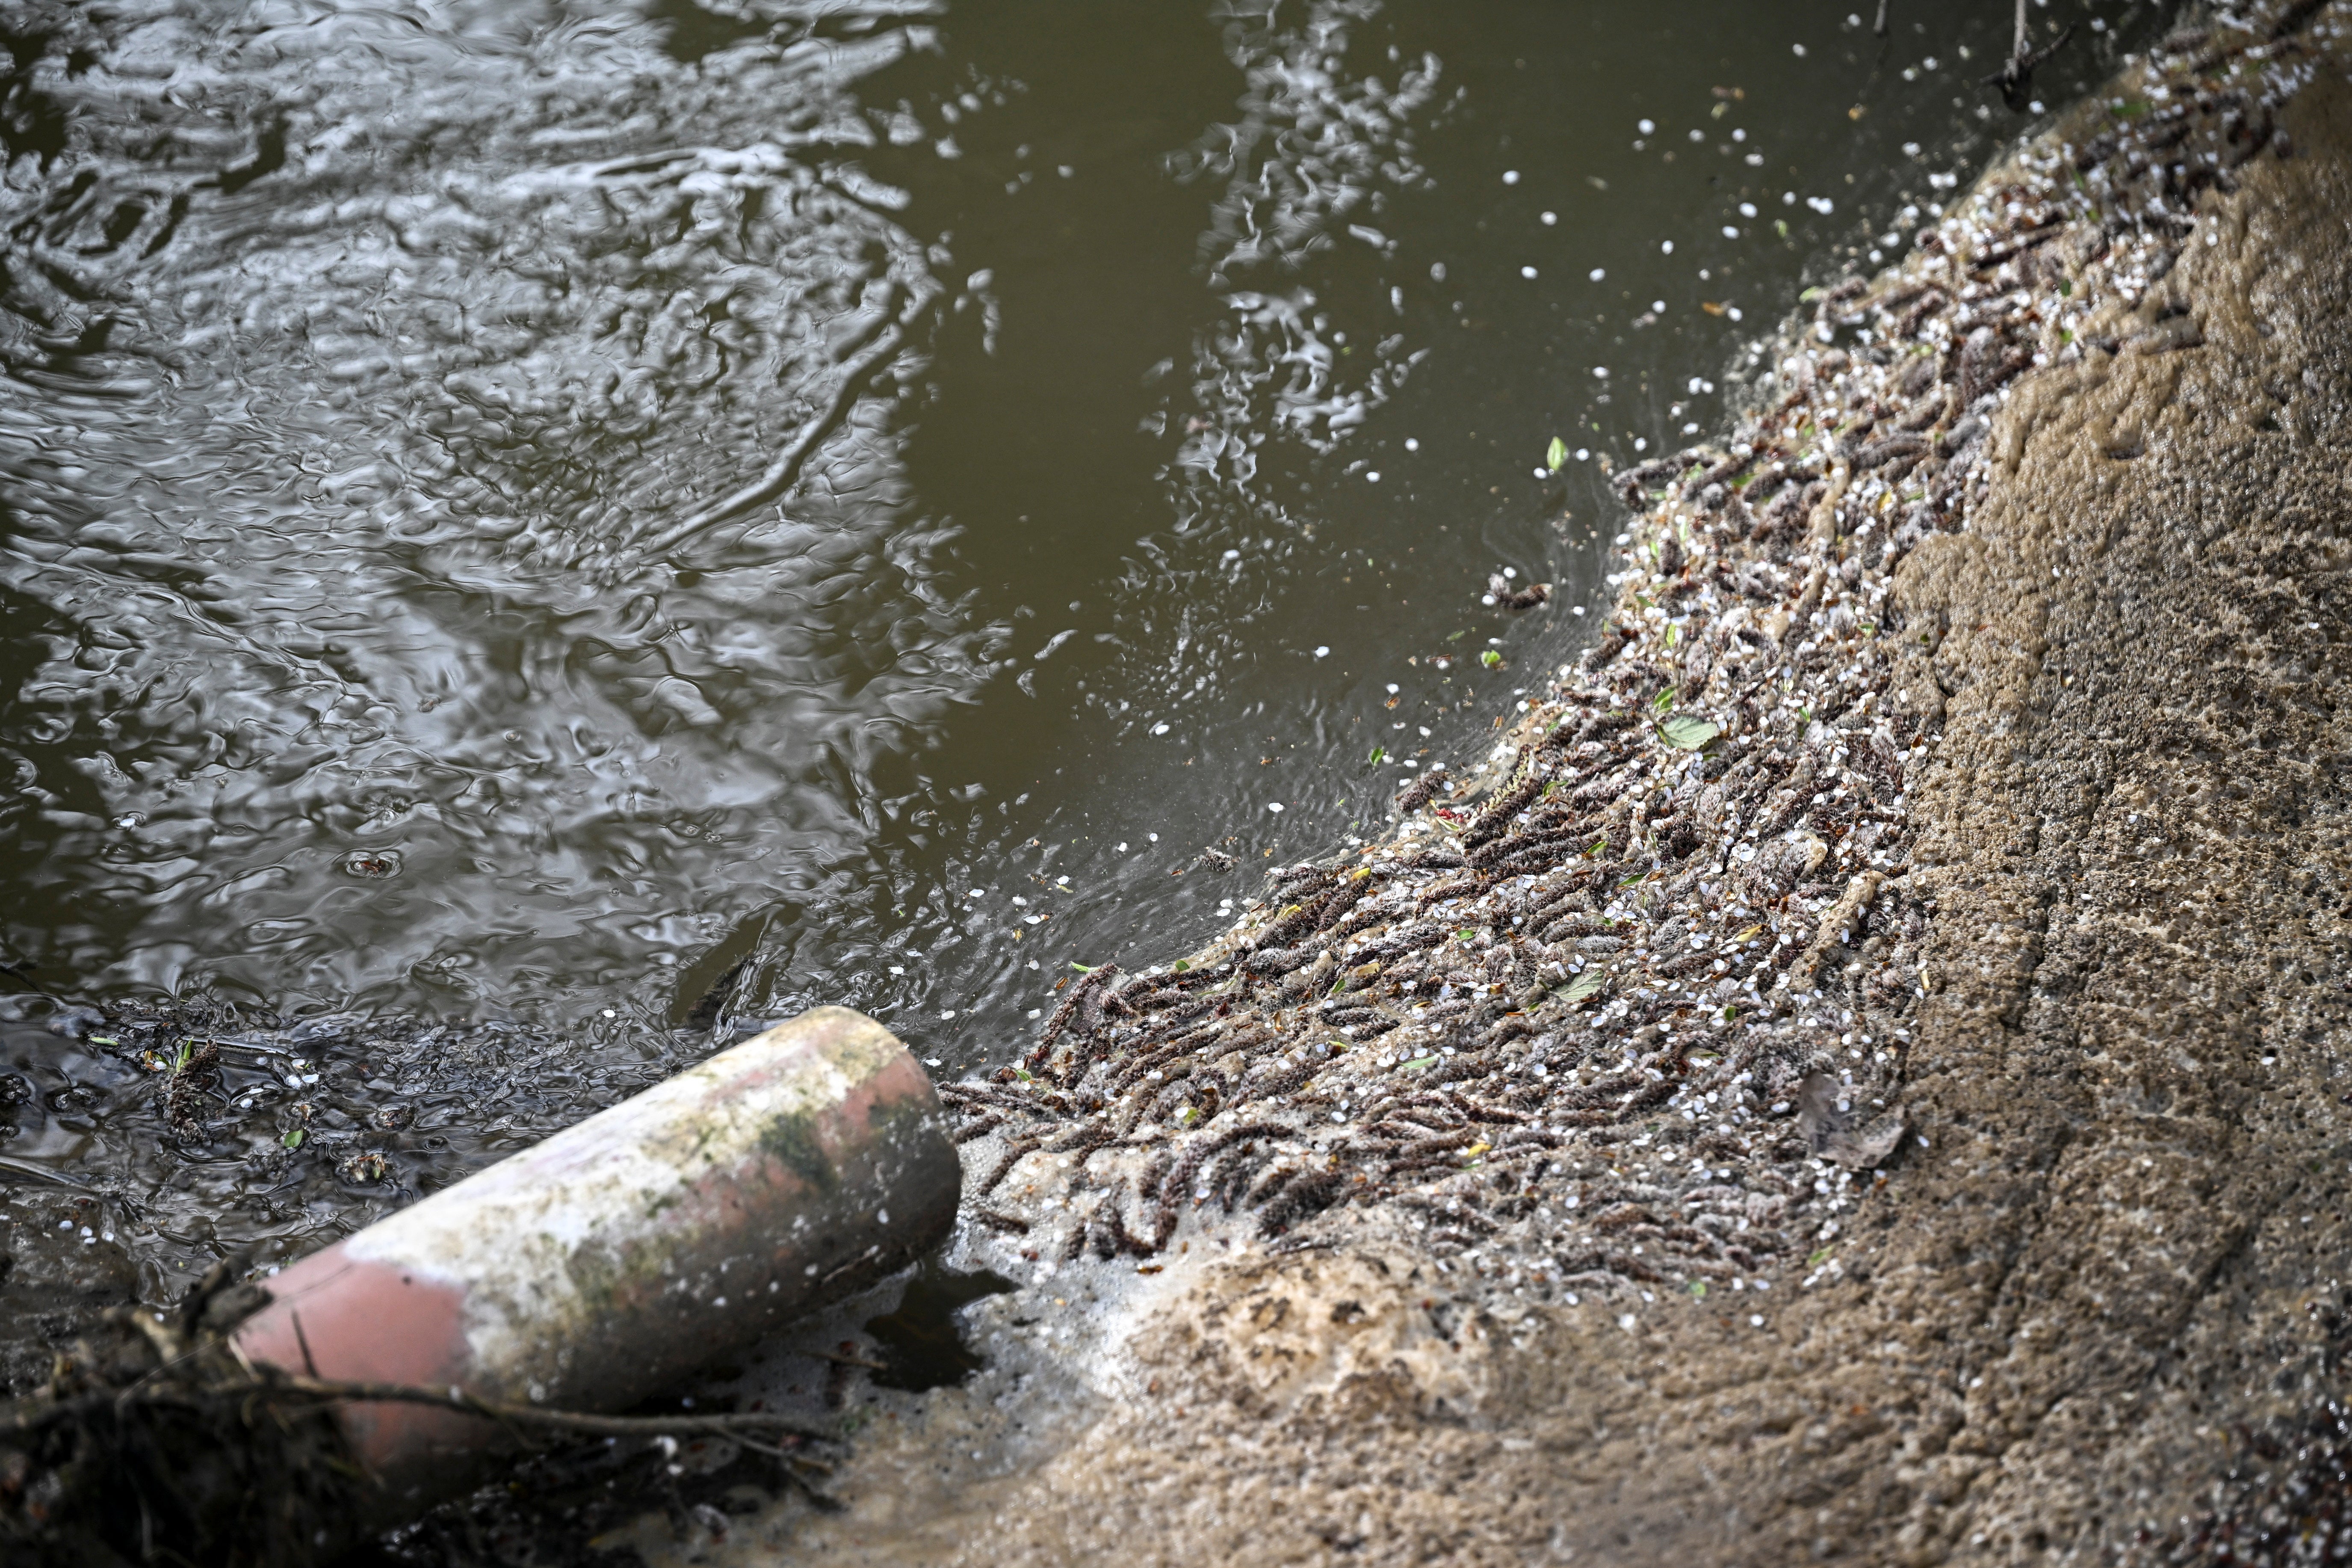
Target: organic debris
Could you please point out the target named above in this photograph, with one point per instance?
(1569, 1014)
(155, 1440)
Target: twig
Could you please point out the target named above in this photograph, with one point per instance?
(458, 1399)
(2015, 78)
(1880, 26)
(26, 1421)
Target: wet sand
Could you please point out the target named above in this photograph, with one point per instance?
(1950, 1163)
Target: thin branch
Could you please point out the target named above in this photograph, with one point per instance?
(41, 1418)
(457, 1399)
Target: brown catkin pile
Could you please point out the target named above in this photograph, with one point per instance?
(1630, 1008)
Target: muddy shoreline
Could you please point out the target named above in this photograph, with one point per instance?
(1950, 1162)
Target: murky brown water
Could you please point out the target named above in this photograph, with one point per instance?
(517, 516)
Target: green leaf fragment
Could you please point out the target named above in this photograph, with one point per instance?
(1556, 454)
(1379, 754)
(293, 1139)
(1687, 732)
(1587, 984)
(1490, 659)
(1418, 1062)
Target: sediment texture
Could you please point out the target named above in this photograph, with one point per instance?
(1908, 1124)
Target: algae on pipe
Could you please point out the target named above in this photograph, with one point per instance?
(612, 1260)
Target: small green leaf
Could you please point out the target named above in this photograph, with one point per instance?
(1490, 659)
(104, 1040)
(1780, 226)
(1698, 1288)
(1458, 636)
(180, 1058)
(293, 1139)
(1674, 634)
(1598, 846)
(1815, 1260)
(2066, 288)
(1588, 984)
(1664, 700)
(1082, 968)
(1379, 754)
(1023, 1074)
(1467, 934)
(1809, 295)
(1180, 965)
(1556, 454)
(1687, 732)
(1419, 1062)
(1189, 1115)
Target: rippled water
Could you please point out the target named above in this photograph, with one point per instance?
(615, 516)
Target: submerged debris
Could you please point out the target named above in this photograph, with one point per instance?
(155, 1440)
(1630, 1006)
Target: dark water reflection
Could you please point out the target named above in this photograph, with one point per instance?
(537, 512)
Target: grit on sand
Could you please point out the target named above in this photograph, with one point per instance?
(1901, 1118)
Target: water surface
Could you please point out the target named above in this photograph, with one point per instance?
(617, 522)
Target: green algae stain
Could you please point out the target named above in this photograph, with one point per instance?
(791, 1143)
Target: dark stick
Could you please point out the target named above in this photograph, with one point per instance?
(457, 1399)
(2015, 78)
(328, 1390)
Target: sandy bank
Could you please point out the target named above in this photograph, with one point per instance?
(2023, 832)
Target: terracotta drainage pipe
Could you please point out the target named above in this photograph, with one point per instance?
(607, 1263)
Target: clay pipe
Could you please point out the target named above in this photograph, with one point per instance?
(606, 1263)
